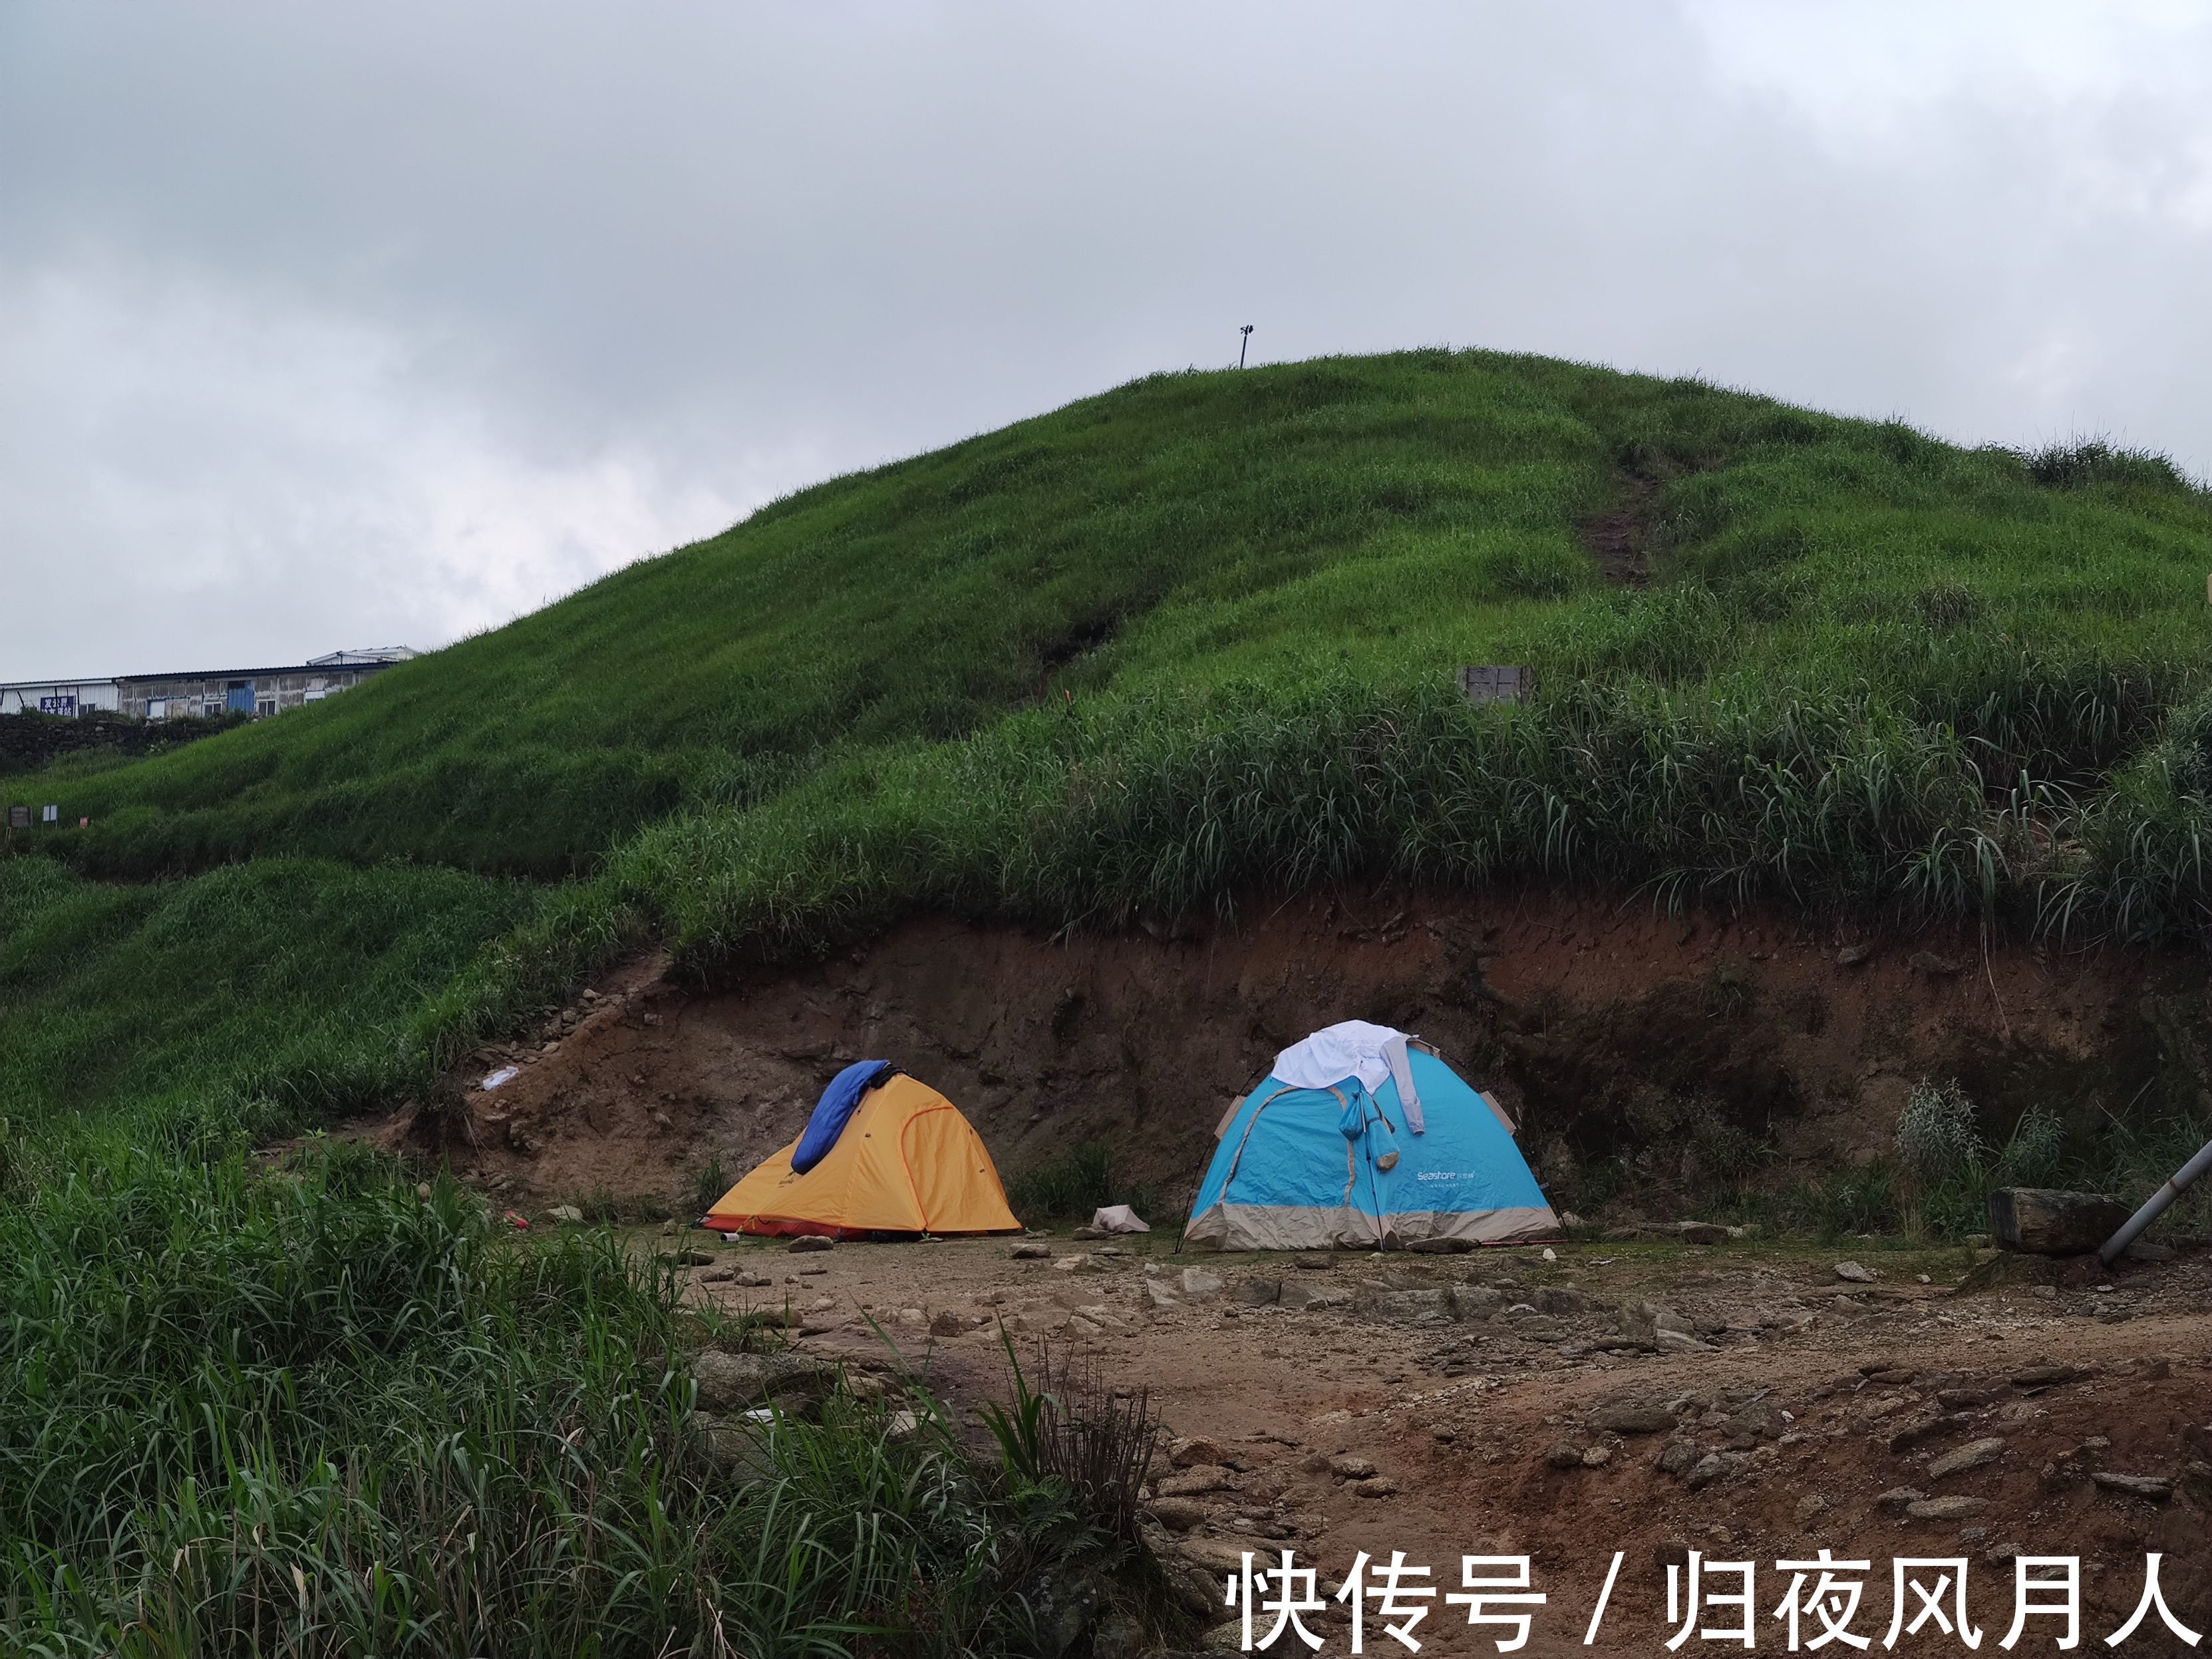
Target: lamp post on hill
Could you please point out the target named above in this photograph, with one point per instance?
(1246, 333)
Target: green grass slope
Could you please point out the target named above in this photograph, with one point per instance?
(1373, 521)
(1182, 642)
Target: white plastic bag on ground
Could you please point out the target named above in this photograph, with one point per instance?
(1120, 1218)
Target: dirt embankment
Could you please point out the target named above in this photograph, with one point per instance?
(1609, 1029)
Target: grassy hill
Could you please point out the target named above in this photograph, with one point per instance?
(1372, 522)
(1189, 639)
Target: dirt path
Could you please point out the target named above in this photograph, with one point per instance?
(1510, 1405)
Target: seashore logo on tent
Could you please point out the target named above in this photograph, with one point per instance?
(1447, 1175)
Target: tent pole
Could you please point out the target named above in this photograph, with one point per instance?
(2132, 1229)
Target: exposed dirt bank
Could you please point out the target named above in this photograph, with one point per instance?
(1605, 1026)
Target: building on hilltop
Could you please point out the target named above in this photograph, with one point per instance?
(258, 692)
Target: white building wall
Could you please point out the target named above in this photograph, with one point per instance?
(26, 696)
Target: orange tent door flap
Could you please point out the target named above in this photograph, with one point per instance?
(955, 1184)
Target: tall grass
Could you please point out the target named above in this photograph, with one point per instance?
(320, 1415)
(1096, 816)
(296, 1407)
(1383, 520)
(1077, 1184)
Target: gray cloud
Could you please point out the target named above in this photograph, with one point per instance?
(325, 326)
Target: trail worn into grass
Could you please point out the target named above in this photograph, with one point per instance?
(1618, 540)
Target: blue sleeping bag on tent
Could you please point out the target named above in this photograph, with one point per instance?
(835, 1110)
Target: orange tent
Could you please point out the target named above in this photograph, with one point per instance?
(907, 1162)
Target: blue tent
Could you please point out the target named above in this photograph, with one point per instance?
(1340, 1165)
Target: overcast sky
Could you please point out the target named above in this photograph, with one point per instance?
(343, 326)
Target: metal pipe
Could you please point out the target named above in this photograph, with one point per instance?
(2155, 1205)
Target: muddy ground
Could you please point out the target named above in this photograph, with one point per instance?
(1742, 1401)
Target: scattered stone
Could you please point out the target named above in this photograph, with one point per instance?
(1702, 1232)
(807, 1242)
(2195, 1483)
(1030, 1250)
(948, 1323)
(2144, 1250)
(1565, 1455)
(1411, 1304)
(1853, 955)
(1349, 1468)
(692, 1258)
(1716, 1466)
(1928, 1428)
(1194, 1482)
(1668, 1341)
(1963, 1400)
(1381, 1486)
(1441, 1246)
(1475, 1300)
(730, 1448)
(2047, 1374)
(2157, 1488)
(1855, 1274)
(1597, 1457)
(1159, 1297)
(1200, 1283)
(1178, 1514)
(1312, 1298)
(1677, 1455)
(731, 1382)
(1897, 1498)
(1971, 1455)
(1087, 1232)
(1313, 1264)
(1197, 1449)
(1259, 1293)
(1631, 1417)
(1945, 1508)
(1808, 1506)
(567, 1212)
